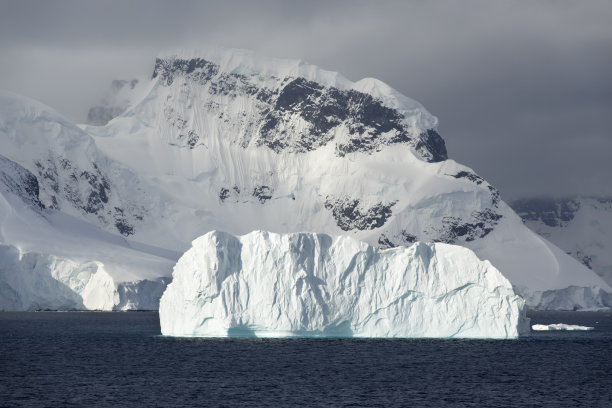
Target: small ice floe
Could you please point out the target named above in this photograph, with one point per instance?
(559, 326)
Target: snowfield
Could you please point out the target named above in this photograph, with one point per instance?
(581, 226)
(315, 285)
(226, 140)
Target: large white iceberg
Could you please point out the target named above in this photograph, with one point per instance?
(265, 284)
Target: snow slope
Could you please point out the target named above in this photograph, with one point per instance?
(52, 260)
(226, 140)
(581, 226)
(276, 285)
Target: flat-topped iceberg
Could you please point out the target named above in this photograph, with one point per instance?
(559, 326)
(315, 285)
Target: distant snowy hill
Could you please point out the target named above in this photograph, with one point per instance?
(581, 226)
(226, 140)
(53, 254)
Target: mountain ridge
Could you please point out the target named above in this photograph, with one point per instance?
(240, 150)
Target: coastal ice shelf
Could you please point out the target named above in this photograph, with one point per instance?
(264, 284)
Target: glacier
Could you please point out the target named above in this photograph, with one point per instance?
(264, 284)
(228, 140)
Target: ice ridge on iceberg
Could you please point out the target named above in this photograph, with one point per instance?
(265, 284)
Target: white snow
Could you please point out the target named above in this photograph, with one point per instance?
(587, 236)
(52, 260)
(30, 281)
(306, 284)
(169, 192)
(559, 326)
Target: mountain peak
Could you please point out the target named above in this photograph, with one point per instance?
(294, 106)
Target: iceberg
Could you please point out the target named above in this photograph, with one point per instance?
(265, 284)
(31, 281)
(559, 326)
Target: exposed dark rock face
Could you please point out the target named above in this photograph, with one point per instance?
(20, 182)
(224, 194)
(191, 138)
(195, 69)
(235, 84)
(475, 178)
(431, 146)
(408, 238)
(186, 137)
(349, 214)
(551, 212)
(371, 124)
(384, 242)
(262, 193)
(87, 190)
(455, 229)
(404, 239)
(121, 223)
(494, 196)
(585, 259)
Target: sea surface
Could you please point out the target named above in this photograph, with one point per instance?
(97, 359)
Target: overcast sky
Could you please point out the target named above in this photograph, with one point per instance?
(522, 89)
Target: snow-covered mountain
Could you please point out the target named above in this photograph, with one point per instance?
(226, 140)
(54, 255)
(581, 226)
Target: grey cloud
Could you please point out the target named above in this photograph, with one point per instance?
(523, 89)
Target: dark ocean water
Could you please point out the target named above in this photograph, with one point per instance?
(119, 359)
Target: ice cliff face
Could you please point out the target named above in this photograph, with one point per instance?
(274, 285)
(226, 140)
(581, 226)
(33, 281)
(38, 281)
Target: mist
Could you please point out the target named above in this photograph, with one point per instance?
(522, 89)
